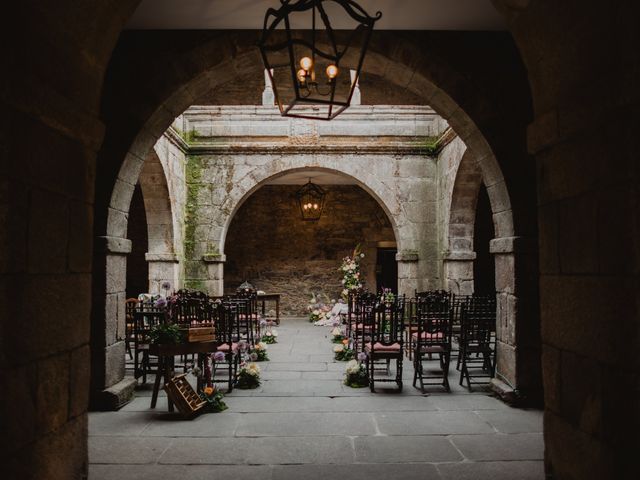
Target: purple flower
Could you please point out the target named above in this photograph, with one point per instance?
(362, 356)
(243, 345)
(218, 357)
(160, 303)
(166, 286)
(263, 322)
(253, 357)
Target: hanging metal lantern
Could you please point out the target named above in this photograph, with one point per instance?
(311, 201)
(314, 72)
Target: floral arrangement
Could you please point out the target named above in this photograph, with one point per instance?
(355, 372)
(388, 295)
(248, 376)
(342, 352)
(214, 399)
(317, 309)
(259, 353)
(350, 269)
(210, 393)
(166, 333)
(270, 335)
(336, 335)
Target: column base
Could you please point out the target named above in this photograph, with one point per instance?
(116, 396)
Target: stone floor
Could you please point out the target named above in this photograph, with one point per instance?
(303, 423)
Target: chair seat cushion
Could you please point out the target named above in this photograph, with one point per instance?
(225, 347)
(428, 335)
(361, 326)
(379, 347)
(432, 349)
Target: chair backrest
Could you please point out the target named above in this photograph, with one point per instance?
(145, 317)
(388, 326)
(478, 319)
(188, 310)
(434, 319)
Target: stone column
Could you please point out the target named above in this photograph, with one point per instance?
(407, 273)
(517, 330)
(268, 97)
(215, 273)
(163, 267)
(458, 272)
(110, 389)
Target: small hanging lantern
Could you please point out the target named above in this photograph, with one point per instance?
(246, 288)
(311, 201)
(311, 70)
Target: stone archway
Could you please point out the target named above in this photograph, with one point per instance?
(458, 261)
(404, 231)
(478, 122)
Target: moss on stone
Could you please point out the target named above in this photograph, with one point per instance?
(194, 167)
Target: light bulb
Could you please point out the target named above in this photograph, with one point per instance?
(332, 71)
(315, 206)
(306, 63)
(304, 206)
(302, 75)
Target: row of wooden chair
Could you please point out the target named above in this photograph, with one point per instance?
(425, 328)
(234, 318)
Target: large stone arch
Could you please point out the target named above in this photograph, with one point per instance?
(381, 193)
(475, 110)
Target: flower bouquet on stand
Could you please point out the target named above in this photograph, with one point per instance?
(342, 352)
(259, 353)
(270, 334)
(248, 376)
(213, 397)
(356, 375)
(336, 335)
(351, 276)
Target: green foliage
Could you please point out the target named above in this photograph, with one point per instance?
(166, 334)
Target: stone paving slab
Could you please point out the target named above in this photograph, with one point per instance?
(212, 451)
(309, 424)
(127, 449)
(173, 472)
(301, 450)
(514, 420)
(356, 472)
(431, 423)
(405, 449)
(492, 471)
(521, 446)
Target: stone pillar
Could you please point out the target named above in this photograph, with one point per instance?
(356, 97)
(109, 388)
(458, 272)
(407, 273)
(163, 267)
(215, 273)
(517, 330)
(268, 97)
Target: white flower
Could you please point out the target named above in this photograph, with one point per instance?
(362, 255)
(336, 331)
(338, 348)
(316, 312)
(352, 367)
(274, 333)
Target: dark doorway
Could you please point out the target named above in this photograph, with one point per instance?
(387, 269)
(137, 266)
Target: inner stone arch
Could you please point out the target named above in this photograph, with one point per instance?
(268, 244)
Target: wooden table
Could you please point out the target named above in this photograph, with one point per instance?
(166, 355)
(270, 297)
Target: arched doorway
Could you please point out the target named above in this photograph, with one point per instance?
(268, 244)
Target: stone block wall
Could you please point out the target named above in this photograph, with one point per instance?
(270, 245)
